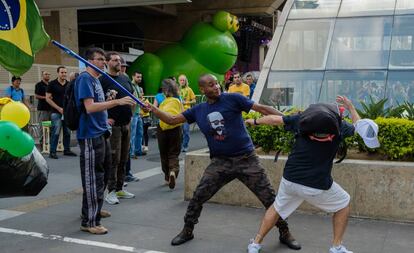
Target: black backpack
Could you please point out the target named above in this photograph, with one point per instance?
(71, 113)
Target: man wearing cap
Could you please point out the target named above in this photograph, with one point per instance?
(124, 65)
(307, 174)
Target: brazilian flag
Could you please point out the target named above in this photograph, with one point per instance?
(22, 35)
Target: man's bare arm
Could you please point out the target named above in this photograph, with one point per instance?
(349, 106)
(166, 117)
(272, 120)
(92, 106)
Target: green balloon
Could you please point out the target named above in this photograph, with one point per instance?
(14, 140)
(8, 134)
(24, 144)
(205, 48)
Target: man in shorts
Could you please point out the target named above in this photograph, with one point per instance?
(307, 174)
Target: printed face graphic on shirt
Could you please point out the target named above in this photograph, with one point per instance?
(217, 125)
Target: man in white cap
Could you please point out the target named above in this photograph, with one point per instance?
(307, 174)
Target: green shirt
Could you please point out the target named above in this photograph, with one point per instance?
(137, 93)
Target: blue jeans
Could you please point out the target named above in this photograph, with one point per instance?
(137, 131)
(57, 124)
(186, 135)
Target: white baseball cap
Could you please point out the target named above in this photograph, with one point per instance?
(368, 130)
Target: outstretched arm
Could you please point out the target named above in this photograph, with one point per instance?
(265, 109)
(349, 106)
(166, 117)
(273, 120)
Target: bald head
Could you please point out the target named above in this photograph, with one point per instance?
(205, 79)
(208, 86)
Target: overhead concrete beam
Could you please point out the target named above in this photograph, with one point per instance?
(95, 4)
(275, 6)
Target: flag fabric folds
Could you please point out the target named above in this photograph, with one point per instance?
(22, 35)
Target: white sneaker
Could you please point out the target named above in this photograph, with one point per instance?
(111, 198)
(123, 194)
(339, 249)
(145, 148)
(254, 247)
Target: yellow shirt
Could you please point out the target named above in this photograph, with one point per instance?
(142, 112)
(187, 95)
(243, 89)
(174, 107)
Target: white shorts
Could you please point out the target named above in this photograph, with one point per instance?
(291, 195)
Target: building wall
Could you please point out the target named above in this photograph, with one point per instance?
(61, 26)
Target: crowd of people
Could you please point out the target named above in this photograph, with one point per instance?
(113, 129)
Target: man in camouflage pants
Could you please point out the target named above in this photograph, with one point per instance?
(231, 151)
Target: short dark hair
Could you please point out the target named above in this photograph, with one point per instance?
(136, 72)
(108, 55)
(60, 67)
(91, 51)
(14, 78)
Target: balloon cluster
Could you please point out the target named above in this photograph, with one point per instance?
(13, 116)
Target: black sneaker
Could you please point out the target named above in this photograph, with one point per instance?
(185, 235)
(69, 153)
(53, 156)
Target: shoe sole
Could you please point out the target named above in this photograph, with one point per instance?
(119, 197)
(171, 183)
(111, 203)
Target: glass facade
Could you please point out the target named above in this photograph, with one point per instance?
(360, 43)
(351, 8)
(303, 45)
(357, 48)
(314, 9)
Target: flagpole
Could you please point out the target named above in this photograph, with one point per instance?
(73, 54)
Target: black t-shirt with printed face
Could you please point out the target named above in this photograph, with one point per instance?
(310, 162)
(58, 93)
(40, 89)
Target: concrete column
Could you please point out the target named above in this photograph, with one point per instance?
(68, 26)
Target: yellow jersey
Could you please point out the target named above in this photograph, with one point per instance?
(243, 89)
(187, 95)
(173, 106)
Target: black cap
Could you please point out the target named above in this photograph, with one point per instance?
(14, 78)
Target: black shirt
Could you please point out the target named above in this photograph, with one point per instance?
(310, 162)
(58, 93)
(121, 114)
(40, 89)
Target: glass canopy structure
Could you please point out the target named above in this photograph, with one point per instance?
(357, 48)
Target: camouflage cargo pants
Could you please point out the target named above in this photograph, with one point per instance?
(221, 171)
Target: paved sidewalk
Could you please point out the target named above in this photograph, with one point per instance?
(146, 224)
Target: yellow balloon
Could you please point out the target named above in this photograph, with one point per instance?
(15, 112)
